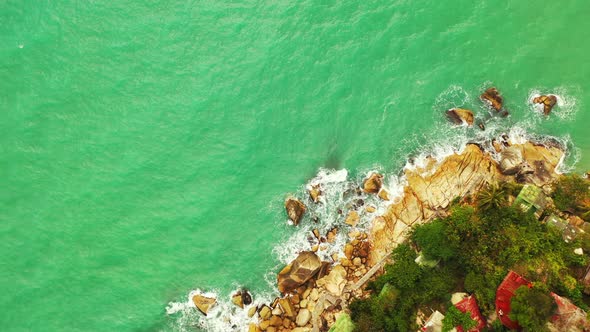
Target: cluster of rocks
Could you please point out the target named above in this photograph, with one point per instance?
(495, 101)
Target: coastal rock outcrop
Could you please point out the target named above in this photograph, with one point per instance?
(493, 98)
(203, 303)
(335, 281)
(430, 189)
(300, 270)
(460, 116)
(314, 193)
(373, 183)
(548, 101)
(295, 210)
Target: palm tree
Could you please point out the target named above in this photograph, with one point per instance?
(491, 198)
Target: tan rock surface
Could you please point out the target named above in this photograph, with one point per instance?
(295, 210)
(431, 189)
(203, 303)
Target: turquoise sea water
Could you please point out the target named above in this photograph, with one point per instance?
(146, 148)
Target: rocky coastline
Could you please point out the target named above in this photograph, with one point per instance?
(315, 293)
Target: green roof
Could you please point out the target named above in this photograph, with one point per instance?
(531, 196)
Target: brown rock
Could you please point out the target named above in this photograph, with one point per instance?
(331, 236)
(252, 311)
(271, 329)
(276, 321)
(460, 116)
(253, 328)
(383, 194)
(352, 219)
(288, 308)
(348, 249)
(493, 98)
(315, 192)
(295, 210)
(303, 268)
(547, 101)
(286, 323)
(370, 209)
(203, 303)
(264, 325)
(373, 183)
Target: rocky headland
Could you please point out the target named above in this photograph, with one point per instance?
(315, 293)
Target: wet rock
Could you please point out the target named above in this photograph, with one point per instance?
(370, 209)
(303, 317)
(237, 300)
(295, 210)
(352, 219)
(373, 183)
(548, 101)
(493, 98)
(497, 146)
(383, 194)
(241, 298)
(481, 125)
(203, 303)
(460, 116)
(252, 311)
(300, 270)
(253, 328)
(335, 281)
(331, 235)
(348, 249)
(314, 193)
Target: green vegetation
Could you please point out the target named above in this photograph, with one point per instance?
(475, 246)
(454, 317)
(532, 307)
(573, 194)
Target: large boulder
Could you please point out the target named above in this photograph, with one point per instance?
(510, 160)
(203, 303)
(373, 183)
(493, 98)
(460, 116)
(547, 101)
(300, 270)
(241, 298)
(295, 210)
(335, 281)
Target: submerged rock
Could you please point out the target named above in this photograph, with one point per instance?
(203, 303)
(300, 270)
(295, 210)
(373, 183)
(352, 219)
(547, 101)
(493, 98)
(460, 116)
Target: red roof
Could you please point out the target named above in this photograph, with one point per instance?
(504, 295)
(568, 315)
(469, 304)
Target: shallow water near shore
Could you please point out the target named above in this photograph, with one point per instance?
(146, 150)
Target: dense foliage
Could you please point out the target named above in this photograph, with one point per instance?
(454, 317)
(475, 247)
(532, 307)
(573, 194)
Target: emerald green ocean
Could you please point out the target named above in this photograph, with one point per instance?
(146, 148)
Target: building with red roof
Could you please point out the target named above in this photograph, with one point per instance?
(469, 304)
(504, 295)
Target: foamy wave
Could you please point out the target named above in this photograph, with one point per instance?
(223, 317)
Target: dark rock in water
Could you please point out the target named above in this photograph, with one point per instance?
(481, 125)
(299, 271)
(315, 219)
(547, 101)
(373, 183)
(459, 116)
(493, 98)
(504, 114)
(246, 297)
(295, 210)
